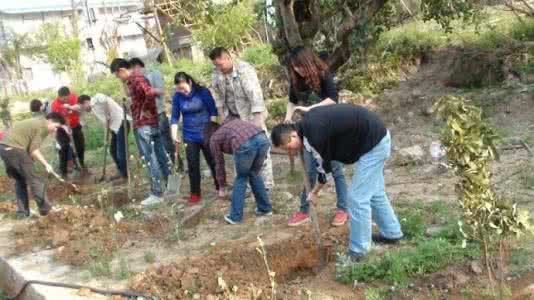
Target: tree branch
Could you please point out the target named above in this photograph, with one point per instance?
(291, 28)
(366, 12)
(310, 28)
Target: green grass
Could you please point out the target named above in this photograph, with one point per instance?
(399, 266)
(100, 267)
(123, 271)
(412, 223)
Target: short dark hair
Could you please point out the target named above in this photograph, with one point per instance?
(136, 61)
(36, 105)
(56, 118)
(119, 63)
(280, 134)
(209, 130)
(217, 52)
(63, 91)
(83, 98)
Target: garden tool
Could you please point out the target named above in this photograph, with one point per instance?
(321, 251)
(72, 185)
(106, 145)
(175, 179)
(125, 126)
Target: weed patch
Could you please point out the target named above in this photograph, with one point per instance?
(401, 265)
(123, 271)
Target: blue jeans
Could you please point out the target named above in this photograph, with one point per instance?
(367, 198)
(165, 132)
(339, 180)
(117, 149)
(149, 141)
(249, 159)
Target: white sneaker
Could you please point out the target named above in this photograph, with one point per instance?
(152, 200)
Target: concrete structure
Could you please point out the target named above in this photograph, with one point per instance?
(101, 23)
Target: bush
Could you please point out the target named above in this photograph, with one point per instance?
(260, 55)
(230, 27)
(411, 40)
(94, 133)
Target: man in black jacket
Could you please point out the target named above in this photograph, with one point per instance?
(349, 134)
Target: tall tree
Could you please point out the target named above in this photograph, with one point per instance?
(348, 23)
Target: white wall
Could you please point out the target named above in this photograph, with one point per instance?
(41, 75)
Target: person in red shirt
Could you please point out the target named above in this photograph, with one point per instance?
(66, 104)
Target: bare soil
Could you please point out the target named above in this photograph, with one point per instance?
(83, 228)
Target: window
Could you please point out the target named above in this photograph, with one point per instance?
(90, 44)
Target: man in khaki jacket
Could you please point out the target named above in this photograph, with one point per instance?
(238, 94)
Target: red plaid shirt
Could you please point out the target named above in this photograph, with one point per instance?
(227, 139)
(144, 111)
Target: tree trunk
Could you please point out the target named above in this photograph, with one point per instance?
(290, 25)
(343, 52)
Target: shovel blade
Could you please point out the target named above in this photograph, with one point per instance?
(173, 184)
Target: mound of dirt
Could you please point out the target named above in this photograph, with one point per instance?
(78, 233)
(239, 264)
(473, 68)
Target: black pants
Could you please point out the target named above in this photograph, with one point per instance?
(64, 142)
(19, 166)
(192, 152)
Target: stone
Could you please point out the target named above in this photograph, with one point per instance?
(414, 154)
(410, 115)
(475, 267)
(196, 296)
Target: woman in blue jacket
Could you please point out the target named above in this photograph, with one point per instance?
(196, 106)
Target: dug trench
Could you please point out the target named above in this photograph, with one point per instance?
(239, 264)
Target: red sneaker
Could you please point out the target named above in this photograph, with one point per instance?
(298, 218)
(340, 218)
(194, 199)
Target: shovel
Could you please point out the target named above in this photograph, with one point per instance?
(321, 251)
(72, 185)
(106, 144)
(105, 156)
(175, 179)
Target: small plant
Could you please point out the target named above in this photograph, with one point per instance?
(373, 294)
(100, 268)
(150, 257)
(487, 218)
(123, 272)
(272, 274)
(177, 233)
(413, 223)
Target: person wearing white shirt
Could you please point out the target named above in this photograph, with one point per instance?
(111, 114)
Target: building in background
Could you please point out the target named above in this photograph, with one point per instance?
(102, 25)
